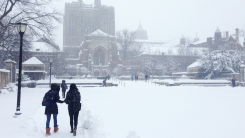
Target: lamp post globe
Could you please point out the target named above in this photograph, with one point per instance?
(51, 60)
(21, 27)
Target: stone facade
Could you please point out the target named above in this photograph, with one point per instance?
(81, 19)
(11, 66)
(229, 42)
(98, 54)
(4, 77)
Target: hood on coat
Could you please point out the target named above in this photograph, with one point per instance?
(73, 87)
(55, 87)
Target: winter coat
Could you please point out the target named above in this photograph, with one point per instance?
(233, 82)
(73, 99)
(54, 108)
(63, 86)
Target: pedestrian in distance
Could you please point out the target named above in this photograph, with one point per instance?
(146, 77)
(132, 77)
(64, 87)
(50, 100)
(233, 82)
(108, 77)
(73, 99)
(104, 83)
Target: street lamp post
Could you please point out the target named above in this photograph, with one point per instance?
(21, 29)
(51, 60)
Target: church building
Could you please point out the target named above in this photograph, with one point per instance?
(89, 39)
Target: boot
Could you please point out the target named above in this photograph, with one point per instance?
(48, 132)
(75, 132)
(56, 129)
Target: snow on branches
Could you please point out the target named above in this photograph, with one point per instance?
(219, 61)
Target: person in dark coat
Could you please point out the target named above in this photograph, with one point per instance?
(104, 83)
(233, 81)
(146, 77)
(64, 87)
(73, 99)
(49, 110)
(109, 77)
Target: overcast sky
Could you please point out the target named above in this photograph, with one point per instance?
(165, 20)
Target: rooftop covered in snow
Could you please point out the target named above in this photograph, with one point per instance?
(100, 33)
(32, 61)
(195, 64)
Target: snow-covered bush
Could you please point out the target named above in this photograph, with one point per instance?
(219, 61)
(9, 88)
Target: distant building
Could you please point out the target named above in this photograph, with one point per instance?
(34, 69)
(81, 19)
(235, 41)
(182, 41)
(141, 34)
(98, 54)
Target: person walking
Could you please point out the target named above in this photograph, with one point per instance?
(54, 97)
(146, 77)
(132, 77)
(233, 81)
(73, 99)
(104, 83)
(64, 87)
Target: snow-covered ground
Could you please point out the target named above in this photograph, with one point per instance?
(140, 109)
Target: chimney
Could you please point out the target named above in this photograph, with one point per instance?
(237, 34)
(227, 35)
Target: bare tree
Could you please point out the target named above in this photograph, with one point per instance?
(170, 52)
(151, 64)
(184, 51)
(126, 39)
(136, 49)
(39, 16)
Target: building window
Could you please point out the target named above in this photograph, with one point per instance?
(99, 57)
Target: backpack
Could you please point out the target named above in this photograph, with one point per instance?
(74, 102)
(48, 99)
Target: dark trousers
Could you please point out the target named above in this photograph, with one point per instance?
(63, 93)
(73, 116)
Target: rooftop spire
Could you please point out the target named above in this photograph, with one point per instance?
(217, 30)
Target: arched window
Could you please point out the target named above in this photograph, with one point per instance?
(99, 57)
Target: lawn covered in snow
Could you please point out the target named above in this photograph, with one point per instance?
(149, 110)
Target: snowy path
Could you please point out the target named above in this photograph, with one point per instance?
(149, 110)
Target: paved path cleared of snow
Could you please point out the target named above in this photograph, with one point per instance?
(147, 109)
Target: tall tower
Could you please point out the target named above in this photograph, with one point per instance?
(97, 3)
(217, 35)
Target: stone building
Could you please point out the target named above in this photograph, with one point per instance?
(141, 34)
(98, 54)
(234, 42)
(81, 19)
